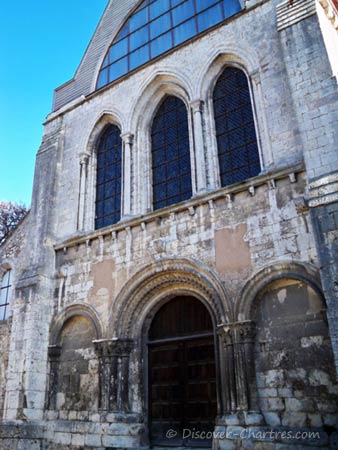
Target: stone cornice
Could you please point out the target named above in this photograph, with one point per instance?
(228, 192)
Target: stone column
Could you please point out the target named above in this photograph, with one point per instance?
(245, 342)
(84, 158)
(228, 385)
(128, 140)
(113, 355)
(54, 352)
(200, 165)
(238, 369)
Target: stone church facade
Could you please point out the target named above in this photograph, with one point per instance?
(175, 282)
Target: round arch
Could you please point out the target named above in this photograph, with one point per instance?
(155, 284)
(78, 309)
(288, 269)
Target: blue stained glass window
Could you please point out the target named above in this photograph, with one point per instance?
(235, 128)
(183, 11)
(159, 25)
(158, 7)
(138, 19)
(138, 57)
(208, 18)
(161, 44)
(156, 26)
(171, 154)
(108, 178)
(184, 31)
(119, 67)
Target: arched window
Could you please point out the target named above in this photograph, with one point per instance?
(157, 26)
(108, 180)
(5, 293)
(235, 128)
(170, 154)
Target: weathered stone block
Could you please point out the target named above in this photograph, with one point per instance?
(93, 440)
(272, 418)
(294, 419)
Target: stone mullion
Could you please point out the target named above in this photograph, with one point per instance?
(84, 158)
(128, 140)
(200, 163)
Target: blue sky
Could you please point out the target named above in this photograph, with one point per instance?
(41, 45)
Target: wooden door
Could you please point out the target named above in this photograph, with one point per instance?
(182, 375)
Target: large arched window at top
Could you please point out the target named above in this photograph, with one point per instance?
(171, 169)
(235, 128)
(108, 178)
(158, 26)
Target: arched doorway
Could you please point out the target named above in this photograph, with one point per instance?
(182, 374)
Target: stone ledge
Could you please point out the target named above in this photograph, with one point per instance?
(228, 192)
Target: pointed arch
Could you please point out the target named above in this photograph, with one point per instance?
(160, 86)
(106, 118)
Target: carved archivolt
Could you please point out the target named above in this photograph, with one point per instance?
(162, 280)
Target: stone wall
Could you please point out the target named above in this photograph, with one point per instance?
(4, 339)
(295, 368)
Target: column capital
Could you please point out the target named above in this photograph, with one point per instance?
(127, 138)
(196, 105)
(84, 158)
(239, 331)
(113, 347)
(54, 352)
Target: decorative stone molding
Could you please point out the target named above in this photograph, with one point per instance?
(228, 192)
(290, 12)
(160, 281)
(323, 191)
(331, 11)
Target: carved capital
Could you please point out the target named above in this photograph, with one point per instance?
(84, 158)
(197, 106)
(54, 352)
(113, 347)
(246, 331)
(226, 335)
(127, 138)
